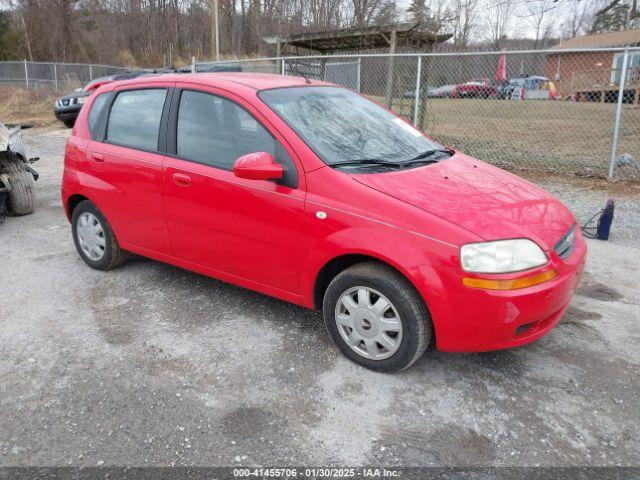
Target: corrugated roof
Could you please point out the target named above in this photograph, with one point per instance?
(625, 38)
(374, 36)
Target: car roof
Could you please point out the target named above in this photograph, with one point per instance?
(255, 81)
(531, 77)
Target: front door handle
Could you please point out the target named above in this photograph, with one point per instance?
(181, 179)
(97, 157)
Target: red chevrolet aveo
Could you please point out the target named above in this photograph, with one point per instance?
(313, 194)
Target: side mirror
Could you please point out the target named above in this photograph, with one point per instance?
(257, 166)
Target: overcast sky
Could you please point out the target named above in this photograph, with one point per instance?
(522, 20)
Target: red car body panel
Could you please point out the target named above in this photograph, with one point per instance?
(474, 88)
(490, 202)
(269, 238)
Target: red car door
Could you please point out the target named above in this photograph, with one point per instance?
(250, 229)
(125, 169)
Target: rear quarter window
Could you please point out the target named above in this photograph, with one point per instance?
(94, 115)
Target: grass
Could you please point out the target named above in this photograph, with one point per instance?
(19, 105)
(546, 136)
(550, 136)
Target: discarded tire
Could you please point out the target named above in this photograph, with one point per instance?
(21, 197)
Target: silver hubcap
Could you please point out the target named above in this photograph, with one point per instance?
(369, 323)
(90, 236)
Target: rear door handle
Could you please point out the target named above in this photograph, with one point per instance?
(97, 157)
(181, 179)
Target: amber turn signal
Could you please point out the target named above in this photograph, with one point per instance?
(511, 284)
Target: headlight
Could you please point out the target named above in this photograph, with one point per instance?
(501, 256)
(80, 100)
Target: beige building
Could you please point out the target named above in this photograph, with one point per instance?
(595, 75)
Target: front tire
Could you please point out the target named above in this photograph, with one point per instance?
(376, 317)
(94, 239)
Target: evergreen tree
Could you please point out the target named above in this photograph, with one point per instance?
(616, 15)
(388, 13)
(9, 39)
(418, 11)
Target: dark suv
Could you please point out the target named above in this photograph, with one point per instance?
(67, 108)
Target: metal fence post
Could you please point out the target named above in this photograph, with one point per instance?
(55, 76)
(359, 74)
(417, 93)
(282, 68)
(26, 74)
(193, 64)
(90, 72)
(616, 127)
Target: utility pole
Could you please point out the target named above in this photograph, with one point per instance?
(215, 30)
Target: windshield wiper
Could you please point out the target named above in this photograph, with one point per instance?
(424, 156)
(365, 162)
(371, 162)
(430, 153)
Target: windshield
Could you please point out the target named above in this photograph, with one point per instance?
(340, 126)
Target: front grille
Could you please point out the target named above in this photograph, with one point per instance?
(65, 102)
(566, 244)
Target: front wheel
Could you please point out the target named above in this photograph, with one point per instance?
(376, 317)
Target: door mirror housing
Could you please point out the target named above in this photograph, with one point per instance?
(257, 166)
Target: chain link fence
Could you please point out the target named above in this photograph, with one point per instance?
(59, 76)
(559, 111)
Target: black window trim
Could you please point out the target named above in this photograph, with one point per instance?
(161, 147)
(172, 134)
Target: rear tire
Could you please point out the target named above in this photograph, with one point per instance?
(94, 239)
(406, 307)
(21, 196)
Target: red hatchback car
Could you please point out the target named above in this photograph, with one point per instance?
(313, 194)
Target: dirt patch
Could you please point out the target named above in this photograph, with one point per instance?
(250, 421)
(435, 448)
(578, 315)
(598, 291)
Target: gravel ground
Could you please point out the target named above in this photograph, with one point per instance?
(153, 365)
(587, 196)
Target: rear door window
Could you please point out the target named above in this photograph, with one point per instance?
(134, 120)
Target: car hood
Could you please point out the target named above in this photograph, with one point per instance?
(485, 200)
(73, 95)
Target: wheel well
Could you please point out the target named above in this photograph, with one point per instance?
(73, 202)
(333, 268)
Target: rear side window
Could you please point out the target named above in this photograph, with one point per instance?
(96, 110)
(216, 131)
(134, 120)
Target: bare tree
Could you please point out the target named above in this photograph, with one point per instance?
(540, 17)
(364, 11)
(579, 16)
(499, 18)
(463, 21)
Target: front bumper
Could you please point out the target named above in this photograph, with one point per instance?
(67, 113)
(476, 320)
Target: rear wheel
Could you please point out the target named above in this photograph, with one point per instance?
(376, 318)
(21, 196)
(94, 238)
